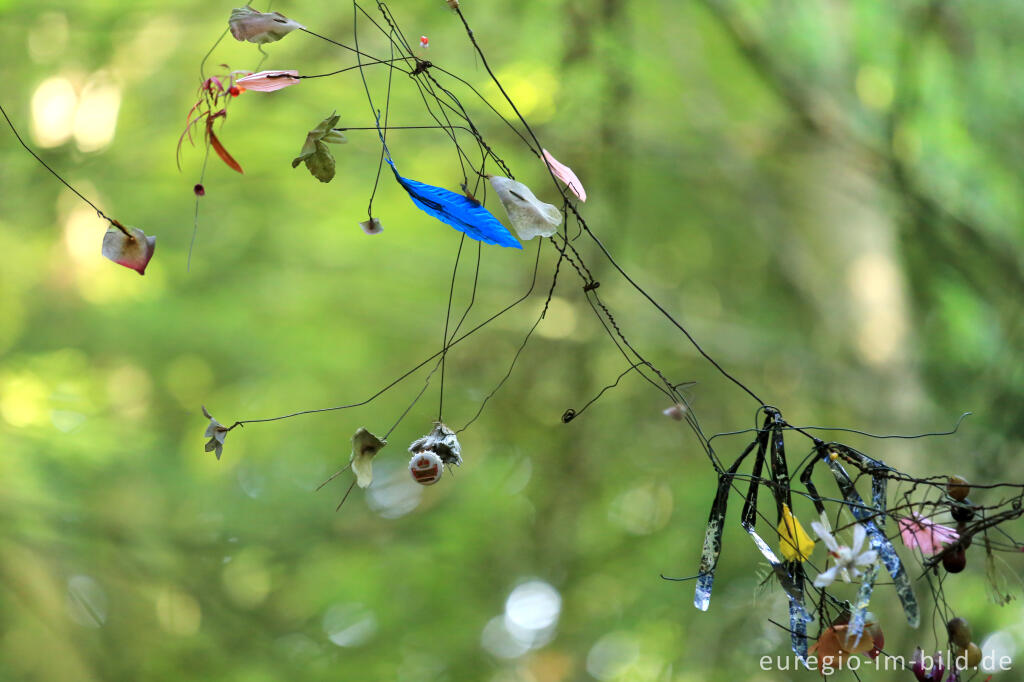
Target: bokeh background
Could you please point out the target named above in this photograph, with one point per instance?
(826, 193)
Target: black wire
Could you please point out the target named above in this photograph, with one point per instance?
(55, 174)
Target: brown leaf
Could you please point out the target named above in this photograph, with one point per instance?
(219, 148)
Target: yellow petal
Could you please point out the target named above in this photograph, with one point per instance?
(794, 542)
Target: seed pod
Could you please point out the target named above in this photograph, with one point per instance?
(959, 632)
(973, 655)
(426, 468)
(958, 488)
(955, 561)
(962, 512)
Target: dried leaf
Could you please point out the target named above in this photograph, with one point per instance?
(219, 148)
(318, 157)
(365, 446)
(260, 27)
(321, 163)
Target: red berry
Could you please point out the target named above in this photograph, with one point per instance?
(199, 190)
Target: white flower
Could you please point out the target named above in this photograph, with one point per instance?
(364, 446)
(216, 432)
(529, 215)
(847, 559)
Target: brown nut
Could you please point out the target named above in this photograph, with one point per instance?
(959, 632)
(958, 488)
(955, 561)
(973, 655)
(962, 512)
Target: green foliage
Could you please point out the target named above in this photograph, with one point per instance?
(315, 153)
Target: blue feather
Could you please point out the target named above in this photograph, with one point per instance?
(461, 212)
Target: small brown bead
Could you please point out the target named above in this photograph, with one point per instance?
(973, 655)
(958, 487)
(962, 512)
(959, 632)
(955, 561)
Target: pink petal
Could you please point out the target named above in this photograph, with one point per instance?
(132, 250)
(268, 81)
(565, 174)
(919, 531)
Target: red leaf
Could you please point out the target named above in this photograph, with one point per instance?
(219, 148)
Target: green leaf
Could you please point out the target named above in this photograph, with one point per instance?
(321, 163)
(315, 153)
(335, 137)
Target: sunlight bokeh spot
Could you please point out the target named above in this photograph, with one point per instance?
(246, 578)
(178, 612)
(499, 642)
(532, 87)
(53, 111)
(129, 388)
(875, 285)
(612, 654)
(48, 38)
(534, 605)
(875, 87)
(560, 321)
(24, 400)
(349, 625)
(188, 379)
(96, 116)
(643, 509)
(393, 493)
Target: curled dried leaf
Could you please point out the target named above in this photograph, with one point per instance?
(260, 27)
(365, 446)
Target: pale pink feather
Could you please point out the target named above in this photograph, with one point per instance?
(565, 174)
(919, 531)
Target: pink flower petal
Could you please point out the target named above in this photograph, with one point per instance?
(565, 174)
(919, 531)
(132, 250)
(268, 81)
